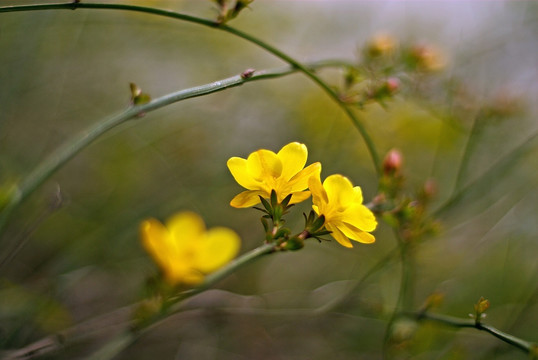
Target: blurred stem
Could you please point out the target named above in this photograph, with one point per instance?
(82, 332)
(406, 293)
(380, 264)
(124, 340)
(468, 151)
(218, 275)
(502, 167)
(214, 24)
(520, 316)
(66, 152)
(528, 347)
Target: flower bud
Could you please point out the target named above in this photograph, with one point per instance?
(392, 162)
(392, 84)
(434, 300)
(427, 58)
(380, 45)
(481, 306)
(403, 330)
(294, 243)
(430, 188)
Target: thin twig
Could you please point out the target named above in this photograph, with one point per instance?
(66, 152)
(217, 25)
(526, 346)
(123, 318)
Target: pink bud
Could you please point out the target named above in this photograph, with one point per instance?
(393, 84)
(392, 162)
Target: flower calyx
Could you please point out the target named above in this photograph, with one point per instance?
(315, 226)
(274, 210)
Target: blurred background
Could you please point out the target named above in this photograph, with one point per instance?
(62, 71)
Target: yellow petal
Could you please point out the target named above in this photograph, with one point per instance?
(300, 180)
(238, 168)
(264, 164)
(247, 198)
(219, 246)
(366, 238)
(299, 197)
(186, 229)
(360, 217)
(319, 195)
(157, 242)
(339, 190)
(357, 195)
(356, 234)
(185, 275)
(293, 158)
(339, 235)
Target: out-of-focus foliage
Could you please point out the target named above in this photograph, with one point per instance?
(61, 71)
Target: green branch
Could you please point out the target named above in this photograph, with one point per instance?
(406, 292)
(480, 186)
(66, 152)
(468, 151)
(528, 347)
(82, 332)
(214, 24)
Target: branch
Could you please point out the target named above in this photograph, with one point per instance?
(123, 318)
(214, 24)
(528, 347)
(66, 152)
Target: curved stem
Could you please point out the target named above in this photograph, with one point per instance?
(214, 24)
(405, 294)
(521, 344)
(66, 152)
(467, 151)
(81, 332)
(334, 303)
(125, 339)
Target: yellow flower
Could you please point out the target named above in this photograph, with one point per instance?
(341, 204)
(185, 250)
(381, 44)
(264, 171)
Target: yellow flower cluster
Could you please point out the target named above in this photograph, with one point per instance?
(336, 199)
(184, 250)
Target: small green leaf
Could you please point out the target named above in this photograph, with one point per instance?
(274, 198)
(142, 99)
(318, 224)
(286, 201)
(266, 205)
(137, 96)
(265, 224)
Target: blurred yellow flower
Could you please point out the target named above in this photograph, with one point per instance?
(381, 44)
(185, 250)
(264, 171)
(429, 58)
(341, 204)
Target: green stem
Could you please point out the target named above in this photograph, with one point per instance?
(467, 152)
(405, 294)
(218, 275)
(124, 340)
(380, 264)
(524, 345)
(214, 24)
(477, 186)
(66, 152)
(84, 331)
